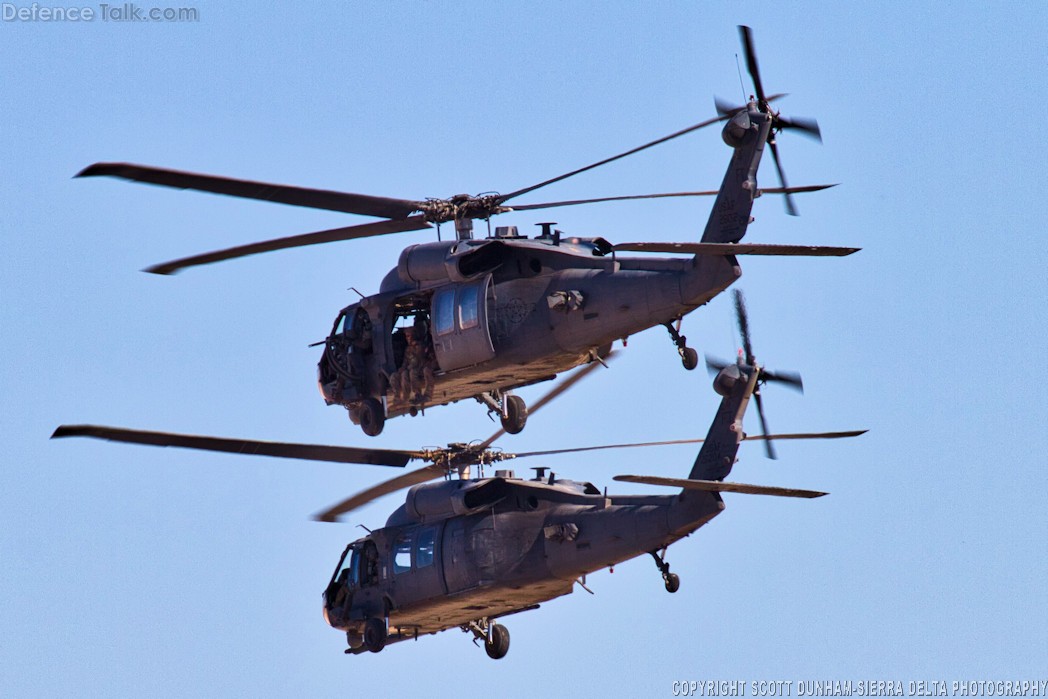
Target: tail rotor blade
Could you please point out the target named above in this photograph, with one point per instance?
(764, 426)
(751, 60)
(808, 127)
(744, 325)
(791, 209)
(790, 378)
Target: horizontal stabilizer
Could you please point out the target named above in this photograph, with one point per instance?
(722, 487)
(738, 249)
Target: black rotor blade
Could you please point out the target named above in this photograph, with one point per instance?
(808, 127)
(751, 60)
(346, 202)
(715, 365)
(764, 426)
(312, 452)
(744, 325)
(364, 230)
(791, 209)
(695, 127)
(790, 378)
(726, 109)
(575, 202)
(666, 195)
(670, 442)
(426, 473)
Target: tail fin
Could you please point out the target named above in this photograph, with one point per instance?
(717, 455)
(747, 132)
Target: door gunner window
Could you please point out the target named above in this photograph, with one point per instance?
(402, 554)
(444, 312)
(468, 307)
(427, 542)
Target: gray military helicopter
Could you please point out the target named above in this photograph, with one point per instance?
(467, 551)
(468, 318)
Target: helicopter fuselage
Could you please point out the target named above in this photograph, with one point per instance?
(463, 550)
(505, 312)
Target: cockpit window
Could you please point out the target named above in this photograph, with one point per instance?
(427, 543)
(402, 554)
(349, 568)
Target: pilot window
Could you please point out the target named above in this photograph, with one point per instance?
(402, 554)
(427, 543)
(444, 312)
(468, 307)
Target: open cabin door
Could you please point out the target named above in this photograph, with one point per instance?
(459, 317)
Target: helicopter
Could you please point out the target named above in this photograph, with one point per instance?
(467, 551)
(480, 318)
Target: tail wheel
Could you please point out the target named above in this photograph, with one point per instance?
(689, 357)
(372, 417)
(516, 414)
(374, 635)
(498, 643)
(672, 582)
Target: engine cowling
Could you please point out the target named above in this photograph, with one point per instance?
(455, 261)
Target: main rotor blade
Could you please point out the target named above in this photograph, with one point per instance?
(695, 127)
(751, 60)
(364, 230)
(738, 249)
(747, 438)
(722, 487)
(346, 202)
(744, 326)
(426, 473)
(312, 452)
(797, 435)
(575, 202)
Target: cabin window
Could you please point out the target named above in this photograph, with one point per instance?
(402, 554)
(469, 307)
(427, 544)
(444, 311)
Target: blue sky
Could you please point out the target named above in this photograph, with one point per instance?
(129, 570)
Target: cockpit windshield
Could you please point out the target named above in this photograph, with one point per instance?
(349, 567)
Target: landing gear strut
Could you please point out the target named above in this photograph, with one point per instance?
(688, 356)
(495, 637)
(671, 580)
(511, 409)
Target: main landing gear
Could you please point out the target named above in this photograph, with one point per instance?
(688, 356)
(495, 637)
(511, 409)
(671, 580)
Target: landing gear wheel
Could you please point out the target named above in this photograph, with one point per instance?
(672, 582)
(374, 635)
(355, 640)
(689, 357)
(372, 417)
(516, 415)
(498, 646)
